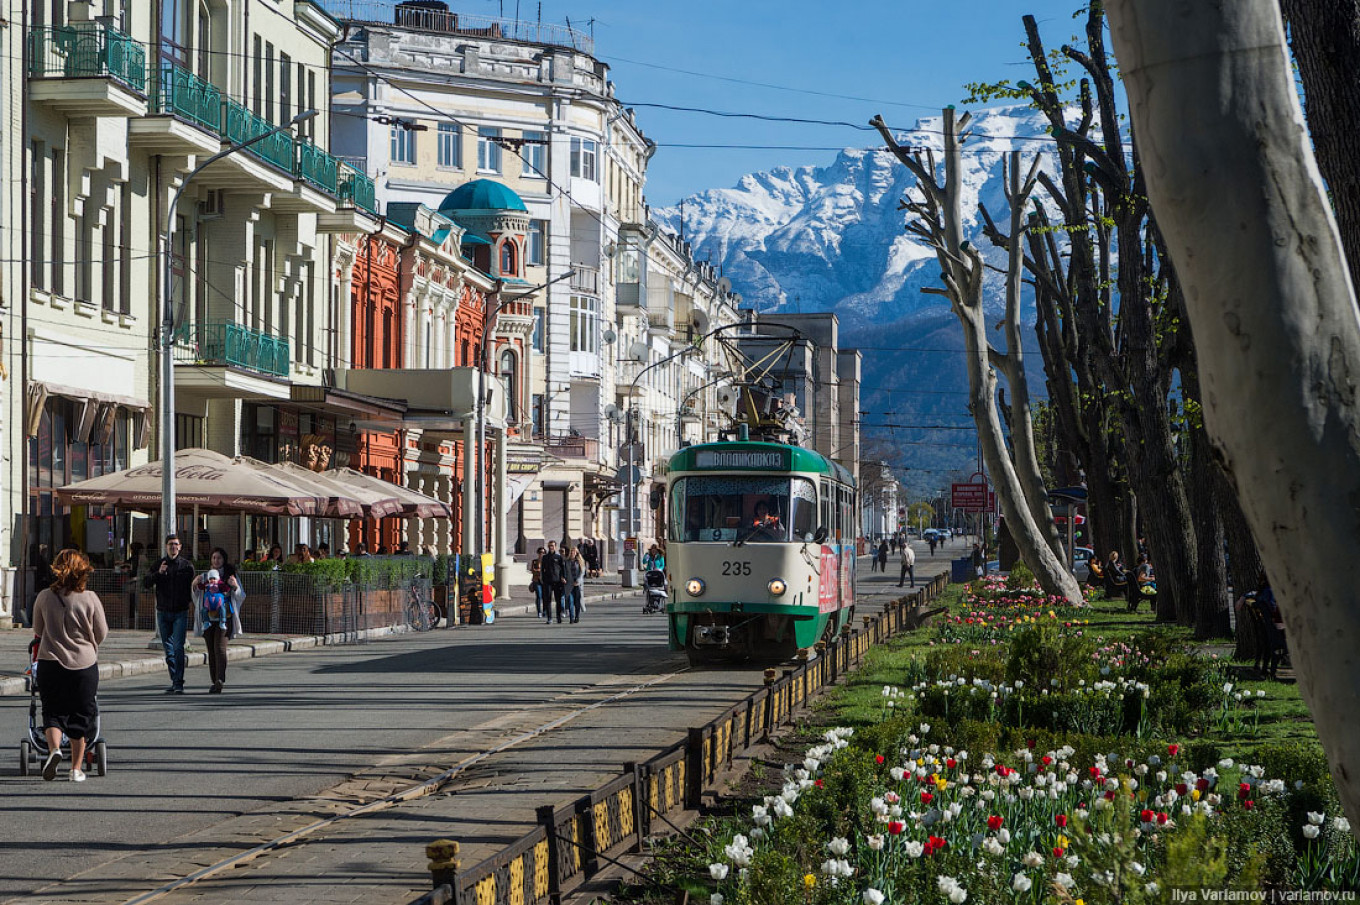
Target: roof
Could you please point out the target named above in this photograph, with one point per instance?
(752, 456)
(482, 195)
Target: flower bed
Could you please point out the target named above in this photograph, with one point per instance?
(1060, 764)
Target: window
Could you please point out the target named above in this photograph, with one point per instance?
(585, 324)
(174, 31)
(535, 155)
(488, 151)
(750, 508)
(285, 86)
(269, 91)
(508, 268)
(450, 145)
(540, 328)
(629, 264)
(511, 385)
(403, 146)
(37, 236)
(583, 153)
(257, 82)
(536, 252)
(538, 414)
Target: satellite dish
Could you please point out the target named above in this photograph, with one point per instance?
(638, 351)
(736, 298)
(610, 411)
(609, 337)
(727, 399)
(724, 285)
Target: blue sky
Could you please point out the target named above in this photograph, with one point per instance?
(901, 58)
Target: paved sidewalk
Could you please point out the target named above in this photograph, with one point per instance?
(134, 653)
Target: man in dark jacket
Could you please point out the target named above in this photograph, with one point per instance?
(173, 579)
(553, 575)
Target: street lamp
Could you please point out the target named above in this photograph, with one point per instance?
(168, 327)
(474, 464)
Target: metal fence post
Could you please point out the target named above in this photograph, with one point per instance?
(443, 855)
(694, 769)
(275, 602)
(547, 818)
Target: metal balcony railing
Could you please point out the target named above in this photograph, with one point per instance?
(356, 187)
(423, 18)
(573, 447)
(239, 124)
(317, 167)
(85, 50)
(181, 93)
(226, 343)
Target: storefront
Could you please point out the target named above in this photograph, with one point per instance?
(77, 439)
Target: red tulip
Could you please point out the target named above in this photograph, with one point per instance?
(879, 759)
(951, 763)
(817, 783)
(895, 827)
(1161, 818)
(1181, 788)
(1243, 790)
(1045, 760)
(1202, 784)
(1248, 804)
(1061, 820)
(927, 798)
(1057, 853)
(994, 823)
(1147, 816)
(1173, 750)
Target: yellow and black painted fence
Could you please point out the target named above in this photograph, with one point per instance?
(571, 843)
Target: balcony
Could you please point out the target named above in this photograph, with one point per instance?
(232, 345)
(585, 278)
(357, 197)
(587, 448)
(87, 69)
(186, 113)
(516, 317)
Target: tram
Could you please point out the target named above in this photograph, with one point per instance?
(760, 551)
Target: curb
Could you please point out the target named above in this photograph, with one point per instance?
(248, 650)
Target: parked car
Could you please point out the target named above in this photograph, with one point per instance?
(946, 534)
(1081, 562)
(927, 534)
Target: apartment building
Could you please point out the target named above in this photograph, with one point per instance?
(121, 104)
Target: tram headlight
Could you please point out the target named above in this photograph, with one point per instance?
(695, 587)
(777, 586)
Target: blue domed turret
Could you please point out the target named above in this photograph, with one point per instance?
(482, 195)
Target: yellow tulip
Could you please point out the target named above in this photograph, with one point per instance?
(1194, 794)
(809, 880)
(1062, 841)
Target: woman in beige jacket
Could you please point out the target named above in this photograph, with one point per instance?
(70, 625)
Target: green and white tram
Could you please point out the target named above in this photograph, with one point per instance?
(760, 549)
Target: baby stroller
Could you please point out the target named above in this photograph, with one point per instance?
(33, 750)
(654, 586)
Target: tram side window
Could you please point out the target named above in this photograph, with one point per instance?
(804, 509)
(826, 508)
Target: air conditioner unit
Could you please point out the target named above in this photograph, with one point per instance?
(213, 207)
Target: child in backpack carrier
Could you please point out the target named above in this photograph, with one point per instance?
(218, 596)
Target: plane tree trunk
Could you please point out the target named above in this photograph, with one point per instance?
(1240, 202)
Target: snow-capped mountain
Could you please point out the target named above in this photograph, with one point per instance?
(832, 238)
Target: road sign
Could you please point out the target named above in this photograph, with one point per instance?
(628, 474)
(631, 453)
(969, 497)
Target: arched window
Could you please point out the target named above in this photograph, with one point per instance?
(508, 268)
(511, 385)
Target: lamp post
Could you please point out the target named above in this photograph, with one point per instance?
(168, 513)
(474, 465)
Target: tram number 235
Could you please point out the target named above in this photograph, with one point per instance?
(734, 567)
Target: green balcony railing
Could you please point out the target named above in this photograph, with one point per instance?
(225, 343)
(87, 50)
(317, 167)
(357, 188)
(181, 93)
(239, 124)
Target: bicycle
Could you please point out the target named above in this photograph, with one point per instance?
(422, 613)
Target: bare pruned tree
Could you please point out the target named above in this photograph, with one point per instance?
(939, 221)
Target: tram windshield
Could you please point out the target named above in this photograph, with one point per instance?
(749, 508)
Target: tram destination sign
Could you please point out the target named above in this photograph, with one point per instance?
(760, 459)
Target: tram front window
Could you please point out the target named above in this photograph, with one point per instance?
(749, 509)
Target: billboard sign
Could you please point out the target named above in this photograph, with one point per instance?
(970, 497)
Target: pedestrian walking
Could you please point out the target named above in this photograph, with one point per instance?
(908, 565)
(536, 581)
(69, 622)
(576, 581)
(882, 557)
(173, 579)
(979, 561)
(654, 559)
(931, 540)
(553, 575)
(218, 596)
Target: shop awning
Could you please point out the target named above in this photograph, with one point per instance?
(412, 503)
(340, 501)
(204, 479)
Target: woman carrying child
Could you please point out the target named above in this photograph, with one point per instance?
(218, 596)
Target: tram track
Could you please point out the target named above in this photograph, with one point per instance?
(400, 780)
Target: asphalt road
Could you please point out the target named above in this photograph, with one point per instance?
(197, 778)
